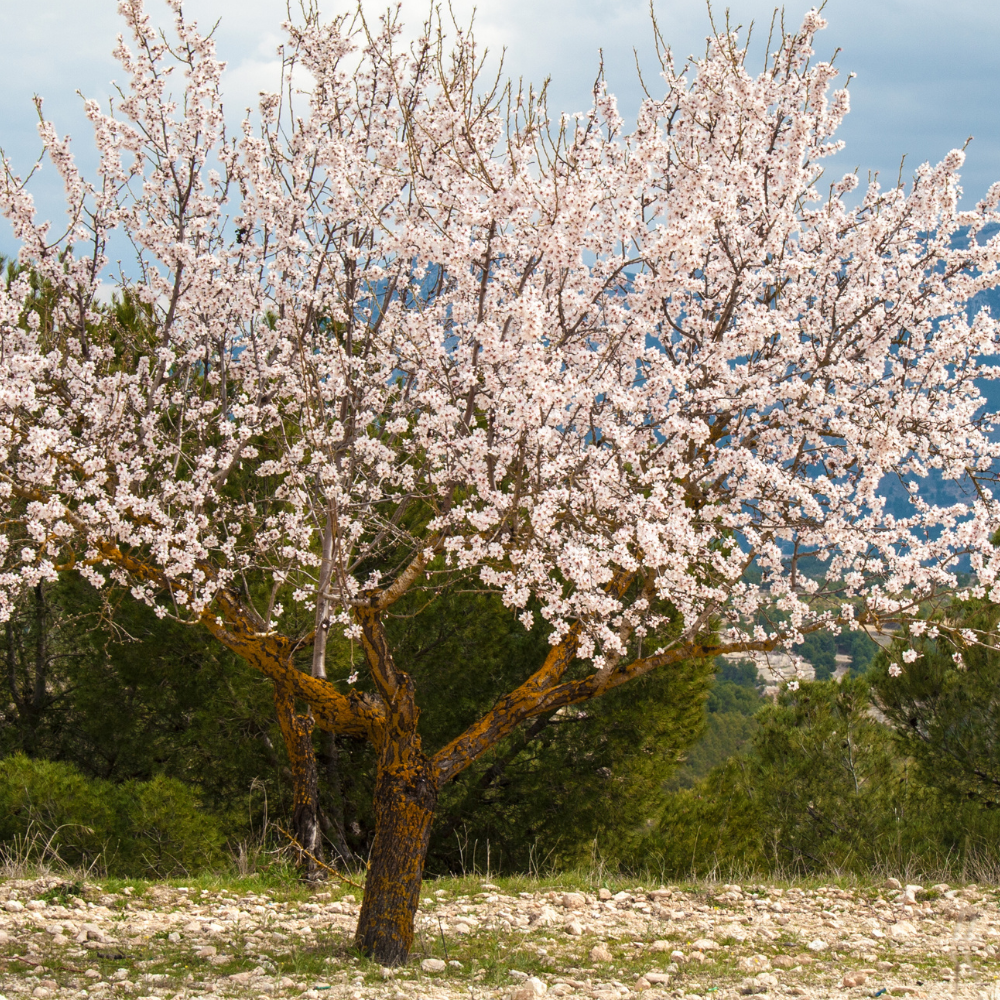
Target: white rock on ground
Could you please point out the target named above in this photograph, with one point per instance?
(714, 941)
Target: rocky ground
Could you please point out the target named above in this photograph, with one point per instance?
(479, 940)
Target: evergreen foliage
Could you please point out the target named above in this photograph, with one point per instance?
(153, 829)
(946, 713)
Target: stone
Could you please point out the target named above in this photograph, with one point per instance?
(173, 937)
(642, 983)
(536, 986)
(600, 953)
(433, 965)
(818, 945)
(574, 928)
(705, 944)
(892, 883)
(661, 946)
(783, 962)
(754, 963)
(574, 900)
(657, 977)
(604, 893)
(941, 887)
(13, 906)
(678, 956)
(207, 952)
(696, 956)
(902, 930)
(854, 979)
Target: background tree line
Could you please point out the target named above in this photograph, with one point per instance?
(136, 744)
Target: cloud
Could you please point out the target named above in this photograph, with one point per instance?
(927, 72)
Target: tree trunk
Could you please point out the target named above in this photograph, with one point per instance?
(297, 732)
(405, 798)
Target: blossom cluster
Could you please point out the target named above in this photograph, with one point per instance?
(416, 329)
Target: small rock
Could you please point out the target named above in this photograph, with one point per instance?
(455, 964)
(35, 904)
(817, 945)
(536, 986)
(207, 952)
(173, 937)
(600, 953)
(705, 944)
(661, 946)
(678, 956)
(433, 965)
(13, 906)
(642, 983)
(941, 887)
(604, 893)
(574, 928)
(855, 979)
(574, 900)
(892, 883)
(754, 963)
(783, 961)
(696, 956)
(241, 977)
(896, 991)
(902, 930)
(286, 983)
(657, 977)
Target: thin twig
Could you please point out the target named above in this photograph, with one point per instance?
(332, 871)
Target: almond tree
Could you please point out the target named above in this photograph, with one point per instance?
(408, 332)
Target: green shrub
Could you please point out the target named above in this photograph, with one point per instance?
(149, 828)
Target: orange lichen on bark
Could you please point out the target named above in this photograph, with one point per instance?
(296, 731)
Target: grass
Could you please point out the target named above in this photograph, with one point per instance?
(487, 956)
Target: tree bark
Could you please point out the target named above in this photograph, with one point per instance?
(405, 799)
(297, 730)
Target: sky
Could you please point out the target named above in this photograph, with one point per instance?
(927, 72)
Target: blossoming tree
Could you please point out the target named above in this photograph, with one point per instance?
(406, 333)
